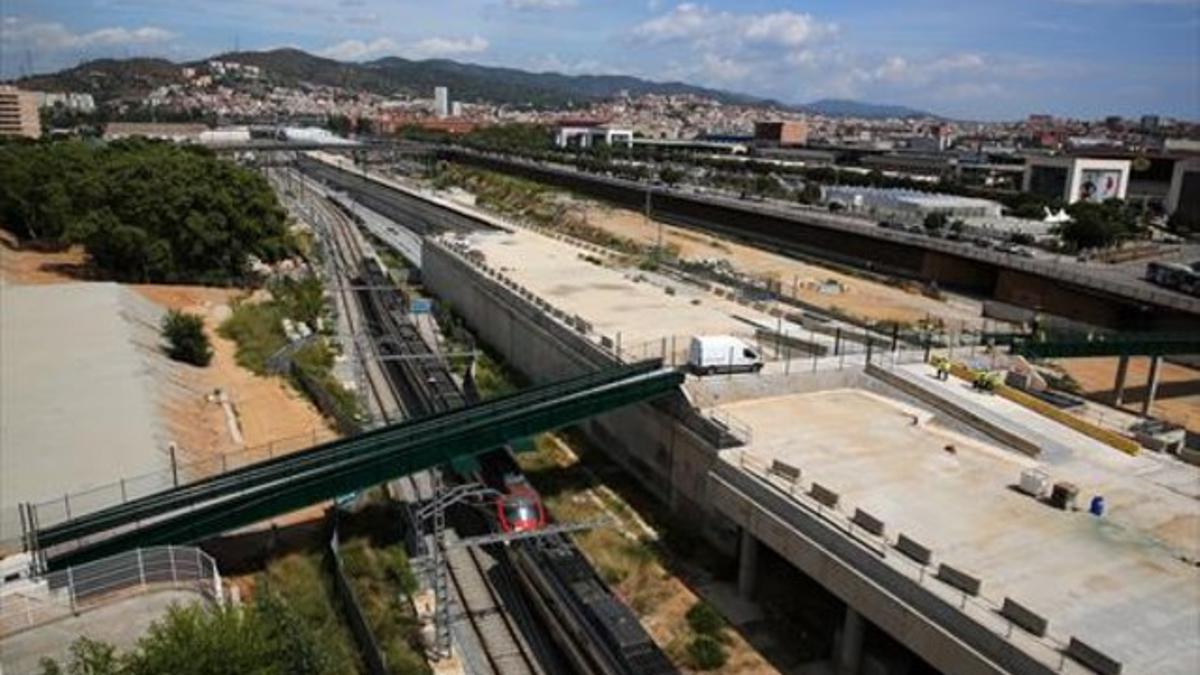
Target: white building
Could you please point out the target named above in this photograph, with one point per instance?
(910, 206)
(441, 101)
(587, 134)
(1072, 179)
(69, 100)
(456, 109)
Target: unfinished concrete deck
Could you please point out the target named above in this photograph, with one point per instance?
(1118, 582)
(81, 379)
(629, 303)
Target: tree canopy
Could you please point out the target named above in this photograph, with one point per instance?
(144, 211)
(1099, 225)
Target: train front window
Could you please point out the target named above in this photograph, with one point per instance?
(520, 511)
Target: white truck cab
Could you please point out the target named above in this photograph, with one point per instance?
(722, 354)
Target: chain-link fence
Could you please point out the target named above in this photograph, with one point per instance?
(26, 603)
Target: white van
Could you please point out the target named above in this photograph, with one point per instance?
(722, 354)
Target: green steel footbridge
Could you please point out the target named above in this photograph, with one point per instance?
(250, 494)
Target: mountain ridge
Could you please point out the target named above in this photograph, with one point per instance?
(109, 79)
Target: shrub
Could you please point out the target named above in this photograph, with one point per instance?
(186, 340)
(705, 620)
(706, 653)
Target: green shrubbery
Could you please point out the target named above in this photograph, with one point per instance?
(144, 211)
(706, 649)
(269, 636)
(186, 340)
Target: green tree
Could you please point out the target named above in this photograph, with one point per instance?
(670, 175)
(935, 222)
(706, 653)
(1095, 225)
(186, 339)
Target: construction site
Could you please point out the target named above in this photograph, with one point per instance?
(925, 487)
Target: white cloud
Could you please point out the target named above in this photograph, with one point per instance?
(540, 4)
(706, 28)
(434, 47)
(55, 37)
(357, 50)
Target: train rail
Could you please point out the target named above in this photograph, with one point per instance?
(416, 378)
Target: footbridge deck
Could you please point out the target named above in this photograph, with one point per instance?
(253, 493)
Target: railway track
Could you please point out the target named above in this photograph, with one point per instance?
(469, 570)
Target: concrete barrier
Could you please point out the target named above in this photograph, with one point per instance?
(1093, 658)
(1111, 438)
(824, 495)
(915, 551)
(988, 426)
(961, 580)
(868, 522)
(1024, 617)
(785, 471)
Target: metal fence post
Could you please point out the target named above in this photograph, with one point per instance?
(171, 557)
(67, 504)
(141, 568)
(124, 498)
(71, 588)
(174, 466)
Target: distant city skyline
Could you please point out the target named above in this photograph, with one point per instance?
(987, 61)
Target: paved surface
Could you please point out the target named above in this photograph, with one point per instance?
(120, 623)
(80, 379)
(1117, 582)
(623, 302)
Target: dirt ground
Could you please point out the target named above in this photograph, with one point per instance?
(661, 597)
(863, 298)
(1177, 399)
(24, 267)
(268, 411)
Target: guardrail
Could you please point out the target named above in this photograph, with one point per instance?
(32, 602)
(72, 505)
(1007, 631)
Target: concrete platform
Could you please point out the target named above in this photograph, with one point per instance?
(1119, 582)
(120, 623)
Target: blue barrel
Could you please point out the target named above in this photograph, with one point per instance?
(1097, 507)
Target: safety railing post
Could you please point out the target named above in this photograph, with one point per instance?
(71, 588)
(141, 568)
(171, 558)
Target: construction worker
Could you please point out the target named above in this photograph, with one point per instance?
(943, 368)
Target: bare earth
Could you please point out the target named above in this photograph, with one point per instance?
(267, 410)
(862, 298)
(1177, 399)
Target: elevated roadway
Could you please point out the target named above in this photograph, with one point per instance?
(1070, 290)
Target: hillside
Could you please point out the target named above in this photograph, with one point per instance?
(108, 79)
(833, 107)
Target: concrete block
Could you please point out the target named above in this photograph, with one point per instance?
(785, 471)
(868, 522)
(1024, 617)
(824, 495)
(917, 552)
(959, 579)
(1093, 658)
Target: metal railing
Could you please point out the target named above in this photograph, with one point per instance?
(75, 504)
(31, 602)
(961, 607)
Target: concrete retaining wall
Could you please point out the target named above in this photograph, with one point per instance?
(649, 440)
(976, 421)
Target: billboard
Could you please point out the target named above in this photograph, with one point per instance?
(1098, 185)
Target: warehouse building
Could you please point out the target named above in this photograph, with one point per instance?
(909, 206)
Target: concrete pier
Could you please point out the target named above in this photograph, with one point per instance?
(1151, 385)
(849, 651)
(1119, 385)
(748, 565)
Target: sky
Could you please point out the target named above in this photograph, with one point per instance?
(968, 59)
